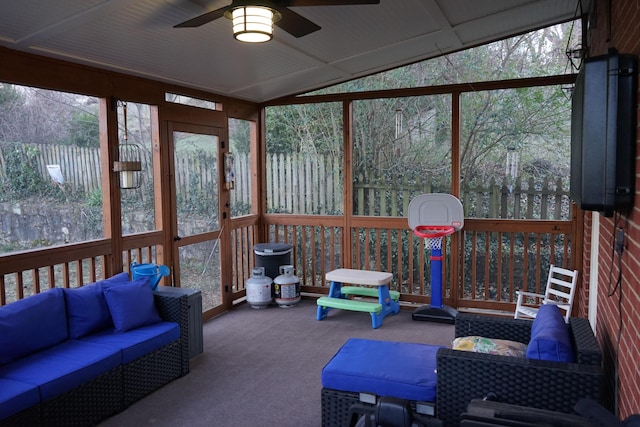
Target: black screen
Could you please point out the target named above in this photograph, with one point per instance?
(603, 133)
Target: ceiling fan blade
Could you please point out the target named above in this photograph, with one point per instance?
(301, 3)
(202, 19)
(294, 24)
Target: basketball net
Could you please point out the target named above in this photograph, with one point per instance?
(433, 234)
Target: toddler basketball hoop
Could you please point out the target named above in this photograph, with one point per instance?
(433, 217)
(433, 234)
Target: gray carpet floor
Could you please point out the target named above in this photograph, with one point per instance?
(261, 367)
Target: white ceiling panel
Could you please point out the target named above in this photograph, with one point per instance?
(137, 37)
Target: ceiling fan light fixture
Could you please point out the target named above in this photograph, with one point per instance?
(253, 24)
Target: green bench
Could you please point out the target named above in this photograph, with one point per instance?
(349, 304)
(367, 292)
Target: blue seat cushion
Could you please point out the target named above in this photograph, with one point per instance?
(16, 396)
(64, 367)
(137, 342)
(550, 337)
(32, 324)
(384, 368)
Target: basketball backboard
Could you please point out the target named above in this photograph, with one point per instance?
(436, 209)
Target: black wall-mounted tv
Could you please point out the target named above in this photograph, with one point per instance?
(603, 133)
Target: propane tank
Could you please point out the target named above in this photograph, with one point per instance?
(258, 288)
(287, 287)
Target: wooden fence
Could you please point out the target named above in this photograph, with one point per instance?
(314, 185)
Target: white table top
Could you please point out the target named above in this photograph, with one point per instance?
(359, 277)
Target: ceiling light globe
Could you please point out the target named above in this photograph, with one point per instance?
(252, 24)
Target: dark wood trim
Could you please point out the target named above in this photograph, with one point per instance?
(347, 203)
(430, 90)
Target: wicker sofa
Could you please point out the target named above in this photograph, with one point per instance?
(555, 386)
(463, 375)
(83, 370)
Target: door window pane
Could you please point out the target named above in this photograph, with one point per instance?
(196, 181)
(200, 269)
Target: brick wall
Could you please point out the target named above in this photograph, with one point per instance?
(617, 24)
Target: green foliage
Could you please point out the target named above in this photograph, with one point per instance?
(306, 128)
(402, 139)
(91, 221)
(84, 129)
(22, 178)
(94, 199)
(239, 136)
(532, 121)
(200, 200)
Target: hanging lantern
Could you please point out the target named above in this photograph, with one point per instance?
(128, 165)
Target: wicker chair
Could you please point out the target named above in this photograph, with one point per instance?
(555, 386)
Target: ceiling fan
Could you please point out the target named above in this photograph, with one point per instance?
(288, 20)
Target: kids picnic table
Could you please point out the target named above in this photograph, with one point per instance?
(378, 286)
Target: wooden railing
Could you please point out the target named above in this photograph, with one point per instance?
(483, 265)
(500, 257)
(495, 257)
(243, 231)
(30, 272)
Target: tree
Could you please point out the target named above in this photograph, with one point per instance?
(305, 129)
(84, 129)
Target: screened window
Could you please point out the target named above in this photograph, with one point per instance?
(515, 153)
(137, 204)
(402, 148)
(50, 185)
(304, 159)
(240, 147)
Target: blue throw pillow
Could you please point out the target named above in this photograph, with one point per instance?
(550, 337)
(131, 305)
(32, 324)
(115, 279)
(87, 310)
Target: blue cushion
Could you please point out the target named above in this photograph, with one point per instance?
(384, 368)
(16, 396)
(115, 279)
(550, 337)
(131, 305)
(64, 367)
(87, 309)
(41, 318)
(137, 342)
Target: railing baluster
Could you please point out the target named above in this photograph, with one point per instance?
(487, 268)
(499, 267)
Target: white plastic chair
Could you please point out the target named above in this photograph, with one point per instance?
(561, 287)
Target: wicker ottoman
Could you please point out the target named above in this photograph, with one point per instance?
(363, 370)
